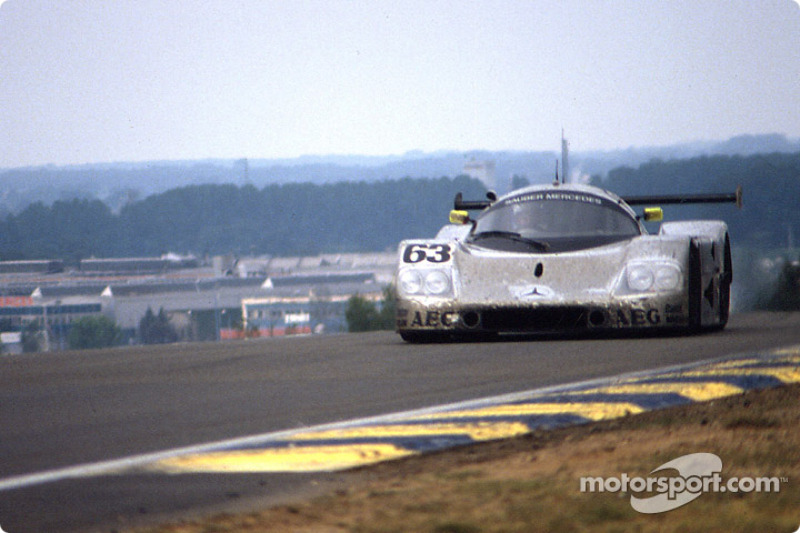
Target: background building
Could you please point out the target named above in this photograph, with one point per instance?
(223, 299)
(482, 170)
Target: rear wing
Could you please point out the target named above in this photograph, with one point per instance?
(733, 198)
(460, 204)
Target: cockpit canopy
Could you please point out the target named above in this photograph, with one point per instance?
(547, 221)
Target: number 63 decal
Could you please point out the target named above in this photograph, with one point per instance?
(433, 253)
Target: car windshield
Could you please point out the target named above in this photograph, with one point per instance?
(552, 221)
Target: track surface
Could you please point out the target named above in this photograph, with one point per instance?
(65, 409)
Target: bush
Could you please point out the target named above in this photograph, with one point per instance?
(363, 315)
(93, 332)
(156, 329)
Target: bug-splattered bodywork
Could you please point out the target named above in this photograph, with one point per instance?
(582, 262)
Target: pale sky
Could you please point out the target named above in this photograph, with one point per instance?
(89, 81)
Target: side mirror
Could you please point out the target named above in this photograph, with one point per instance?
(459, 217)
(653, 214)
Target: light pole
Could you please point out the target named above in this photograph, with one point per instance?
(45, 327)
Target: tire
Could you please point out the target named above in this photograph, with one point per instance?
(725, 279)
(488, 336)
(695, 288)
(424, 337)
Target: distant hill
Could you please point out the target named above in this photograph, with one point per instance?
(120, 184)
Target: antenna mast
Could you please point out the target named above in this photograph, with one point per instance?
(564, 158)
(556, 181)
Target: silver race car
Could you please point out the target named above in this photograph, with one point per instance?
(564, 258)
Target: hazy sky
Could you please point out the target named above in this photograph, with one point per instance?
(115, 80)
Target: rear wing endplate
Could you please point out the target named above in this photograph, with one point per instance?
(459, 204)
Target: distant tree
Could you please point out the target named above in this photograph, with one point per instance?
(361, 314)
(518, 182)
(69, 230)
(215, 219)
(147, 327)
(364, 315)
(93, 332)
(168, 331)
(351, 216)
(786, 295)
(156, 329)
(387, 317)
(31, 337)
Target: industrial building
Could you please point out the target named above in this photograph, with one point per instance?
(220, 299)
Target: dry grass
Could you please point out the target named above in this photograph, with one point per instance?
(533, 483)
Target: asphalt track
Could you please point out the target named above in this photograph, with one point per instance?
(61, 410)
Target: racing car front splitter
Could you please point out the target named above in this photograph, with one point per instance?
(445, 318)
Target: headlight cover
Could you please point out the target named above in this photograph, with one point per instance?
(425, 282)
(668, 277)
(410, 282)
(652, 276)
(639, 277)
(437, 282)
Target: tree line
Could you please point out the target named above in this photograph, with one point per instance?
(771, 184)
(308, 218)
(289, 219)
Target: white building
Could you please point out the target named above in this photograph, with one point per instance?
(482, 170)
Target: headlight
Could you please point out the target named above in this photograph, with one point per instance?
(640, 278)
(410, 282)
(668, 277)
(424, 282)
(653, 276)
(437, 282)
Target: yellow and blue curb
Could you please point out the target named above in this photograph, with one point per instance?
(363, 442)
(344, 445)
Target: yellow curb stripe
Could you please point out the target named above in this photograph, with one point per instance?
(789, 350)
(476, 431)
(737, 363)
(788, 357)
(784, 374)
(590, 410)
(290, 459)
(694, 391)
